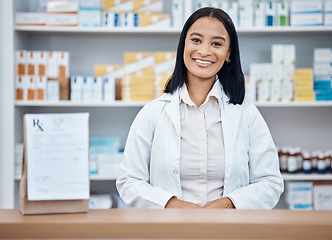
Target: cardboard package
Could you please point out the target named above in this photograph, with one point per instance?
(64, 86)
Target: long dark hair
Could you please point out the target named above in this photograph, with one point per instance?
(230, 75)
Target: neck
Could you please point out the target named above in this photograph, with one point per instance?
(198, 91)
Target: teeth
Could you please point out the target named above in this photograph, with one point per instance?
(203, 62)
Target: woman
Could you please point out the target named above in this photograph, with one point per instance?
(200, 144)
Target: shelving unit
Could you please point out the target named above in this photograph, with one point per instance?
(286, 177)
(304, 124)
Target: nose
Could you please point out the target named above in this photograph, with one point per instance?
(204, 49)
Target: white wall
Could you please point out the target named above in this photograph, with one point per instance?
(6, 105)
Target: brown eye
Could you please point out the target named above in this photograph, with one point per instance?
(216, 44)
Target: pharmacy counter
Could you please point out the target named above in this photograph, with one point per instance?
(169, 223)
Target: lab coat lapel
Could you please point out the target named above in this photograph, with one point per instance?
(172, 109)
(230, 115)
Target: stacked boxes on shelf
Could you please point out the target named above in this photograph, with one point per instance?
(146, 74)
(142, 77)
(261, 13)
(42, 75)
(308, 195)
(109, 13)
(105, 157)
(328, 13)
(62, 13)
(323, 73)
(135, 13)
(306, 13)
(89, 14)
(273, 82)
(299, 195)
(304, 84)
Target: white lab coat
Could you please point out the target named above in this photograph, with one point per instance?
(151, 164)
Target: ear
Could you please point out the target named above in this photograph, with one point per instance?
(228, 55)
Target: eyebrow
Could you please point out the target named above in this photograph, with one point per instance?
(215, 37)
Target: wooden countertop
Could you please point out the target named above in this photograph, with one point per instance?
(169, 223)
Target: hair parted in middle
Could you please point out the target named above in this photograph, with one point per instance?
(230, 75)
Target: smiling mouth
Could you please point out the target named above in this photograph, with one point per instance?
(202, 62)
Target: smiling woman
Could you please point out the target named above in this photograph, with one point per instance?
(206, 49)
(201, 144)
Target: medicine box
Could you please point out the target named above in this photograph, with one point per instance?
(154, 20)
(322, 195)
(20, 85)
(328, 13)
(132, 5)
(233, 12)
(89, 18)
(255, 78)
(87, 89)
(62, 7)
(63, 19)
(277, 80)
(278, 54)
(42, 60)
(246, 13)
(53, 91)
(271, 12)
(109, 89)
(52, 67)
(109, 164)
(97, 89)
(287, 92)
(259, 14)
(282, 13)
(323, 55)
(177, 13)
(164, 62)
(323, 84)
(290, 54)
(30, 18)
(323, 94)
(76, 88)
(32, 62)
(21, 62)
(306, 13)
(111, 19)
(250, 88)
(90, 4)
(41, 82)
(129, 19)
(299, 195)
(104, 69)
(30, 88)
(63, 64)
(135, 61)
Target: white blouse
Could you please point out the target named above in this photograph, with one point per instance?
(202, 163)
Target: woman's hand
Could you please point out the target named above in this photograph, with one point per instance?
(176, 203)
(220, 203)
